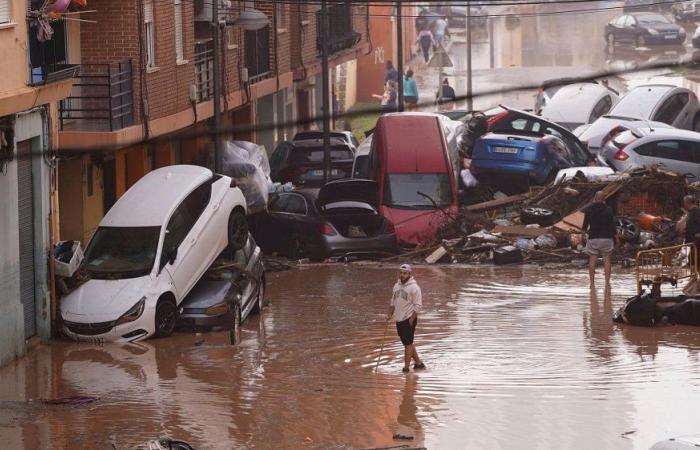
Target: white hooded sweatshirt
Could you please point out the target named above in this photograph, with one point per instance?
(406, 299)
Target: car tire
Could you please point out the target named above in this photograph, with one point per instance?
(235, 331)
(166, 316)
(627, 230)
(237, 230)
(696, 123)
(535, 215)
(260, 300)
(639, 41)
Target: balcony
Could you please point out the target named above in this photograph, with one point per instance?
(341, 35)
(204, 69)
(101, 100)
(257, 54)
(48, 57)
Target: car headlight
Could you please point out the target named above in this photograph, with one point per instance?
(652, 31)
(133, 313)
(217, 310)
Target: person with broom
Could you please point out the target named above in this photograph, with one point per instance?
(406, 303)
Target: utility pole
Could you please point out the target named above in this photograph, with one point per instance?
(326, 98)
(399, 52)
(470, 103)
(217, 87)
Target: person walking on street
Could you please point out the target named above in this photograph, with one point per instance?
(599, 221)
(391, 72)
(445, 94)
(425, 41)
(410, 90)
(388, 98)
(692, 225)
(406, 303)
(440, 29)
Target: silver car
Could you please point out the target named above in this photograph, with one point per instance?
(666, 104)
(578, 104)
(669, 148)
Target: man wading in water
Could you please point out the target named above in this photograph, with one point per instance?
(602, 236)
(406, 302)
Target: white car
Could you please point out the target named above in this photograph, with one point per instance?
(578, 104)
(655, 105)
(150, 249)
(672, 149)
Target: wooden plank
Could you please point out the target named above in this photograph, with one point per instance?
(491, 204)
(516, 230)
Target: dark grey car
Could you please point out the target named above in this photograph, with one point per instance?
(226, 297)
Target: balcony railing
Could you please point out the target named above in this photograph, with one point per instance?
(257, 54)
(102, 98)
(204, 69)
(340, 32)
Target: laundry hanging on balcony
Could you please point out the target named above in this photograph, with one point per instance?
(44, 11)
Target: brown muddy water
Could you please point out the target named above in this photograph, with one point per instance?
(518, 358)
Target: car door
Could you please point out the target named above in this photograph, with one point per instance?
(676, 155)
(601, 107)
(272, 228)
(671, 111)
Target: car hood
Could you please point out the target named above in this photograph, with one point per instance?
(663, 27)
(103, 300)
(414, 227)
(208, 293)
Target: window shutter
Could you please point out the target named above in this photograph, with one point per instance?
(147, 11)
(4, 11)
(178, 31)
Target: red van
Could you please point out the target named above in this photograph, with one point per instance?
(417, 185)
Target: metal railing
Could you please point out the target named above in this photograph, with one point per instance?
(665, 265)
(204, 69)
(341, 34)
(102, 98)
(257, 54)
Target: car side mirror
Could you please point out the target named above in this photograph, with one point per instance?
(172, 256)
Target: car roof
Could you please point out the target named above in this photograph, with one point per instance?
(574, 103)
(409, 135)
(662, 133)
(641, 101)
(150, 201)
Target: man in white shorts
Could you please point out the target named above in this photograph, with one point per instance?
(599, 221)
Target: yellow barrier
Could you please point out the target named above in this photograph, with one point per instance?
(665, 265)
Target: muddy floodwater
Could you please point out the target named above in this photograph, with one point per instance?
(518, 358)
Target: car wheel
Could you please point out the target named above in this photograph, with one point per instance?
(235, 332)
(259, 302)
(640, 41)
(166, 315)
(627, 230)
(237, 230)
(540, 216)
(696, 123)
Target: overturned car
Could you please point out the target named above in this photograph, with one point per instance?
(646, 310)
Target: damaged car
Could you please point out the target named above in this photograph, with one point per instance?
(150, 250)
(302, 162)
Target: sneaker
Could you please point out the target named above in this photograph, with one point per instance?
(405, 370)
(418, 366)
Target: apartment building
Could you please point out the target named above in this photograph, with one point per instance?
(34, 77)
(143, 95)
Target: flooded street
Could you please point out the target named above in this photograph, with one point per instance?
(517, 358)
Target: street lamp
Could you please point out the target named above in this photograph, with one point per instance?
(250, 20)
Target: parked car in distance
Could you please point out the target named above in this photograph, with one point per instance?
(578, 104)
(506, 120)
(226, 297)
(672, 149)
(659, 103)
(410, 162)
(360, 166)
(686, 10)
(302, 162)
(150, 250)
(344, 220)
(345, 136)
(643, 29)
(514, 161)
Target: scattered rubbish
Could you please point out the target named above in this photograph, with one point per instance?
(503, 222)
(70, 401)
(507, 255)
(166, 444)
(546, 241)
(436, 255)
(402, 437)
(68, 256)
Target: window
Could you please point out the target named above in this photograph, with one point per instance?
(121, 252)
(675, 150)
(401, 190)
(602, 107)
(179, 49)
(629, 21)
(4, 11)
(668, 112)
(150, 33)
(296, 205)
(281, 15)
(315, 155)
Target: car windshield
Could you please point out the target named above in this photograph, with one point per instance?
(639, 102)
(121, 252)
(403, 190)
(649, 19)
(314, 155)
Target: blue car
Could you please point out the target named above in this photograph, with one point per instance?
(529, 158)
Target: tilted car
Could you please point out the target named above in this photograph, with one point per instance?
(655, 105)
(578, 104)
(150, 249)
(643, 29)
(227, 296)
(302, 162)
(672, 149)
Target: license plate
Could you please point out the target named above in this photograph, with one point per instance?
(670, 36)
(319, 173)
(510, 150)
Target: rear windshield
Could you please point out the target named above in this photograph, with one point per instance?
(314, 155)
(639, 102)
(403, 190)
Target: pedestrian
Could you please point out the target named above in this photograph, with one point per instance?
(599, 221)
(388, 98)
(439, 31)
(425, 41)
(406, 303)
(410, 90)
(391, 73)
(445, 93)
(692, 223)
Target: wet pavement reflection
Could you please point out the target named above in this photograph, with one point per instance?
(522, 357)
